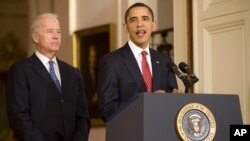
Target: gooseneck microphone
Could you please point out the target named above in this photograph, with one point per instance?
(186, 69)
(173, 68)
(188, 77)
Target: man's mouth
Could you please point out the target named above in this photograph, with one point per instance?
(140, 33)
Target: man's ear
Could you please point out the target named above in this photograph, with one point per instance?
(154, 26)
(35, 37)
(125, 27)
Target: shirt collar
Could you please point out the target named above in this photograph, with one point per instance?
(44, 59)
(136, 49)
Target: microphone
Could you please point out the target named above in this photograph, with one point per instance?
(186, 69)
(173, 68)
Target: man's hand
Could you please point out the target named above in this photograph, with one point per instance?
(177, 91)
(160, 91)
(174, 91)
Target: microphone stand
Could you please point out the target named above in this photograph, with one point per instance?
(188, 82)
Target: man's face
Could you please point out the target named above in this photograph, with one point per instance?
(48, 36)
(139, 26)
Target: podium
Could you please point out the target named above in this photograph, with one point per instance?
(153, 117)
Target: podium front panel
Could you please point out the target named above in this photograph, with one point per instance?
(153, 116)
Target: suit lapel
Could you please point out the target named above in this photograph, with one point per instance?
(42, 76)
(155, 69)
(39, 68)
(64, 79)
(133, 68)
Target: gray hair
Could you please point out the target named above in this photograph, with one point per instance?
(35, 23)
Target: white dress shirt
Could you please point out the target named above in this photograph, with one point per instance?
(138, 56)
(45, 62)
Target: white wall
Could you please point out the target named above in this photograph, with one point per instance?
(222, 49)
(91, 13)
(165, 14)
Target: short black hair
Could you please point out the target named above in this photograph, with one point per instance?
(139, 4)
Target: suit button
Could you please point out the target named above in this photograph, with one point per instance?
(61, 100)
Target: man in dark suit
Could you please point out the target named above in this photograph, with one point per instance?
(121, 73)
(45, 96)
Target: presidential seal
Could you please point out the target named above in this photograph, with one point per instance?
(196, 122)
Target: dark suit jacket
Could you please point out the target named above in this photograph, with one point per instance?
(36, 109)
(120, 78)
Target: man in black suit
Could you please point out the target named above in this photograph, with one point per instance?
(121, 73)
(40, 109)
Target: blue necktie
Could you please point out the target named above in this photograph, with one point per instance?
(53, 75)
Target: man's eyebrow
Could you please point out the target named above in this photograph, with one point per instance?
(132, 17)
(145, 16)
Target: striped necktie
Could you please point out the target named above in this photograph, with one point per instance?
(53, 75)
(146, 71)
